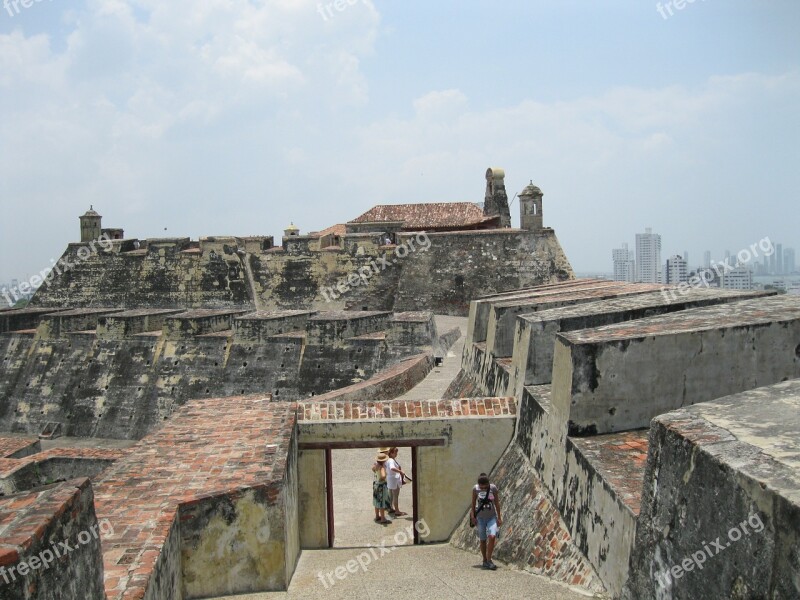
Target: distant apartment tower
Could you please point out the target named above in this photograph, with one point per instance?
(789, 265)
(648, 257)
(677, 270)
(779, 258)
(624, 264)
(707, 259)
(740, 278)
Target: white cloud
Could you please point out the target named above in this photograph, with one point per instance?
(229, 116)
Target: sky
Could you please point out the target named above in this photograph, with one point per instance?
(235, 117)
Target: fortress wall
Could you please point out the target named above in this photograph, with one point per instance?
(480, 309)
(38, 473)
(386, 385)
(334, 328)
(721, 501)
(701, 354)
(465, 265)
(535, 336)
(260, 326)
(225, 272)
(38, 529)
(225, 518)
(601, 523)
(165, 274)
(118, 326)
(21, 319)
(503, 314)
(124, 387)
(327, 369)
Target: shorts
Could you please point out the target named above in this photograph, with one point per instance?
(486, 527)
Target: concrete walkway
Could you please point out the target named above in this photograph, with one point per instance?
(437, 572)
(438, 380)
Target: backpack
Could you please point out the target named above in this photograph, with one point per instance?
(484, 502)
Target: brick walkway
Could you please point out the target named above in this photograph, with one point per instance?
(209, 447)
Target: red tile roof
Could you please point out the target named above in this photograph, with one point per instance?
(438, 215)
(339, 230)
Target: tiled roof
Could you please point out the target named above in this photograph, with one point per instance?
(427, 216)
(339, 230)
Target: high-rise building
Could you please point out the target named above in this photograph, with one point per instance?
(677, 270)
(789, 265)
(740, 278)
(707, 259)
(648, 257)
(773, 265)
(624, 264)
(779, 259)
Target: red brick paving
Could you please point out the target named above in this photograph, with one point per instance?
(12, 445)
(8, 466)
(209, 447)
(24, 518)
(620, 458)
(407, 409)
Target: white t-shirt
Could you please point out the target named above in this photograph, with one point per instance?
(393, 480)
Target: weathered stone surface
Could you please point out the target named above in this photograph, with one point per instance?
(231, 272)
(210, 504)
(533, 536)
(50, 544)
(701, 353)
(386, 385)
(123, 385)
(53, 466)
(538, 330)
(721, 501)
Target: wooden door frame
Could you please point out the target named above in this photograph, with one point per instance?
(329, 447)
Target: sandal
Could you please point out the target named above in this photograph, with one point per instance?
(377, 519)
(385, 522)
(400, 514)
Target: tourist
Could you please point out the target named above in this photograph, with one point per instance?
(485, 513)
(380, 492)
(394, 480)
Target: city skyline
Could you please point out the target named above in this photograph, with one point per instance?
(733, 270)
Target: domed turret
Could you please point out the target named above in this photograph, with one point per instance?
(291, 231)
(530, 208)
(90, 225)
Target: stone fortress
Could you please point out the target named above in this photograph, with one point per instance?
(646, 444)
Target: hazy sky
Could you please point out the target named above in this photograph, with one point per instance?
(234, 117)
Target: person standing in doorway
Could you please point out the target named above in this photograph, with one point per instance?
(485, 512)
(394, 481)
(380, 492)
